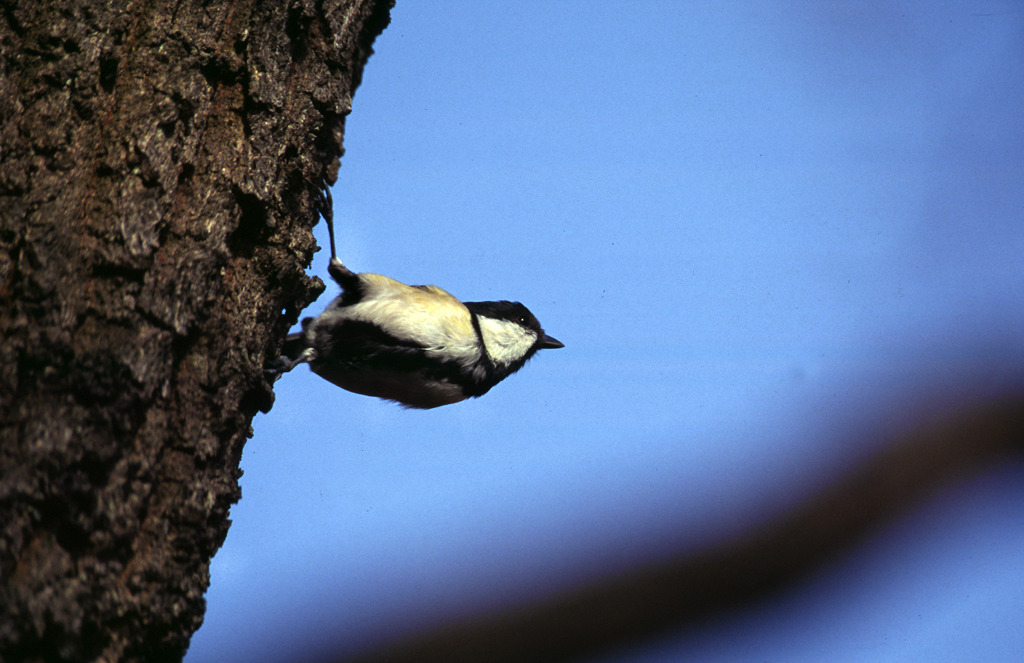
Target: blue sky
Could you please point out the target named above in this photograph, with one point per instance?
(771, 235)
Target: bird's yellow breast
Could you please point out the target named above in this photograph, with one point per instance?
(425, 315)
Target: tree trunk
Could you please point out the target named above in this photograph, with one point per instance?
(160, 167)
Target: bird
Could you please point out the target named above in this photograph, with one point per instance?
(417, 345)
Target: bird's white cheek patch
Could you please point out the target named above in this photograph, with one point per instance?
(506, 342)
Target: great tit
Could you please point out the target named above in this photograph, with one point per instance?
(417, 345)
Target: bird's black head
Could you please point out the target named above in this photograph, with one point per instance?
(511, 334)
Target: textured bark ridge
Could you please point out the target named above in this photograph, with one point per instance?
(160, 166)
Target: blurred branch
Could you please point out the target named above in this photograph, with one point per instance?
(647, 601)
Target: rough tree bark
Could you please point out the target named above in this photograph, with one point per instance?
(160, 165)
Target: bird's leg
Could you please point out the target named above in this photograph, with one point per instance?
(278, 367)
(283, 364)
(342, 275)
(326, 208)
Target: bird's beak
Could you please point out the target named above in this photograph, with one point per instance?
(549, 343)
